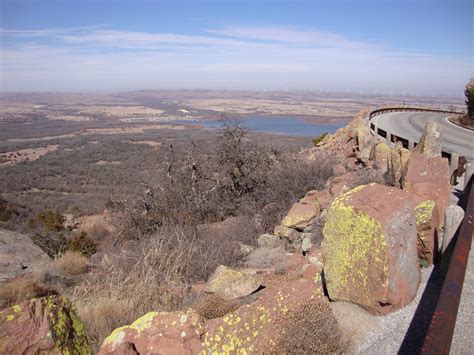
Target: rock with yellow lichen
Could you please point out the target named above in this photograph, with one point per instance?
(427, 221)
(370, 248)
(43, 325)
(259, 325)
(229, 283)
(300, 215)
(428, 178)
(158, 332)
(382, 155)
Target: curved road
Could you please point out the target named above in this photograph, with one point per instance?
(410, 125)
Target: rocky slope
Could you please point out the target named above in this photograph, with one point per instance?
(357, 241)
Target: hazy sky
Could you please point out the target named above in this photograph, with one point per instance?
(417, 46)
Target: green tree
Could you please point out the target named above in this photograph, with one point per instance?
(469, 92)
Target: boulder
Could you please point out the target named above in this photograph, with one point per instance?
(157, 333)
(428, 178)
(338, 169)
(255, 327)
(300, 216)
(285, 232)
(427, 221)
(258, 328)
(342, 183)
(366, 143)
(70, 222)
(270, 241)
(18, 254)
(321, 198)
(431, 143)
(370, 248)
(306, 244)
(46, 325)
(398, 159)
(453, 219)
(229, 284)
(382, 157)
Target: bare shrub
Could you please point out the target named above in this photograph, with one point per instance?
(70, 263)
(312, 329)
(240, 178)
(211, 306)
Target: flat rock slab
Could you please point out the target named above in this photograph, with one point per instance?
(18, 254)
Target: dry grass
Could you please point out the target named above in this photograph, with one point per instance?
(101, 317)
(70, 263)
(211, 306)
(21, 289)
(133, 280)
(312, 329)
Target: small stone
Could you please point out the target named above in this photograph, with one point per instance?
(306, 244)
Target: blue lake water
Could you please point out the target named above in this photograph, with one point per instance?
(280, 125)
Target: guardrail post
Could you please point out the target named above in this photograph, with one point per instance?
(453, 166)
(468, 173)
(411, 145)
(389, 139)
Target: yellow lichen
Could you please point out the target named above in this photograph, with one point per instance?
(423, 211)
(353, 242)
(143, 322)
(116, 336)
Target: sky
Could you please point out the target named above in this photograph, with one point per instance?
(422, 47)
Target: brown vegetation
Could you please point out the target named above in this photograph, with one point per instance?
(71, 263)
(312, 330)
(21, 289)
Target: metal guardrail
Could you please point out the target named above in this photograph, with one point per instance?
(380, 111)
(455, 160)
(441, 329)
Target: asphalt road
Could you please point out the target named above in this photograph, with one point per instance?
(410, 125)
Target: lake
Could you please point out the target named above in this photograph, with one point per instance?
(280, 125)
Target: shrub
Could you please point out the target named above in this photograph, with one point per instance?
(81, 243)
(71, 263)
(318, 139)
(211, 306)
(6, 212)
(53, 244)
(312, 329)
(48, 220)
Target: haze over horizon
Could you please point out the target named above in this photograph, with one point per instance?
(415, 47)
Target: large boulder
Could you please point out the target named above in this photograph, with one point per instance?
(301, 215)
(42, 326)
(370, 248)
(427, 221)
(259, 327)
(428, 178)
(229, 283)
(157, 333)
(18, 254)
(431, 143)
